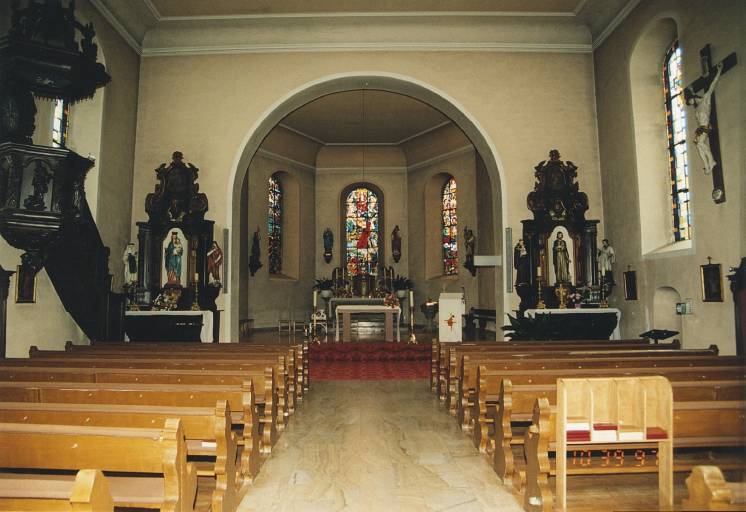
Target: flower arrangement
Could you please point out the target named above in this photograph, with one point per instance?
(391, 301)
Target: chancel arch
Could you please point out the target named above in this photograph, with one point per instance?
(349, 82)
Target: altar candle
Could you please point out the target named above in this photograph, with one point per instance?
(411, 308)
(315, 298)
(196, 276)
(538, 271)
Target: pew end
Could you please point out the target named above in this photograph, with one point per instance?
(89, 492)
(708, 490)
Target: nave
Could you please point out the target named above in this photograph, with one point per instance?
(375, 446)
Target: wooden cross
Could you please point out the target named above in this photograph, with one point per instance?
(702, 84)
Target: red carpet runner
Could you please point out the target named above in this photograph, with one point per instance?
(369, 361)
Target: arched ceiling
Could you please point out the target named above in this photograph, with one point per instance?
(364, 116)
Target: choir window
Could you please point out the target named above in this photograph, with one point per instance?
(449, 228)
(274, 224)
(362, 222)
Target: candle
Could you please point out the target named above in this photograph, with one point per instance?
(315, 298)
(538, 271)
(196, 276)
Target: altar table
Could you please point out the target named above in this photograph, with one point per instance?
(168, 326)
(347, 310)
(613, 330)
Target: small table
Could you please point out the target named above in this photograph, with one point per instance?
(346, 311)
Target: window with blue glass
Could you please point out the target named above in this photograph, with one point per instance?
(449, 227)
(274, 224)
(362, 222)
(676, 131)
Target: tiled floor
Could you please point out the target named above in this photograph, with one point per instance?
(375, 446)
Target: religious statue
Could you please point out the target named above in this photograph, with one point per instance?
(521, 263)
(606, 258)
(561, 259)
(254, 263)
(396, 244)
(172, 257)
(702, 109)
(469, 241)
(129, 258)
(214, 262)
(328, 239)
(40, 185)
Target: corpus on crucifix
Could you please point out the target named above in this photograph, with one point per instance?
(700, 95)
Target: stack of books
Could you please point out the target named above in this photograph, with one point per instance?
(578, 430)
(604, 433)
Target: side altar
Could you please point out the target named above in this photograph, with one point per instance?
(178, 264)
(558, 257)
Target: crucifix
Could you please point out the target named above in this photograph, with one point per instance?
(706, 134)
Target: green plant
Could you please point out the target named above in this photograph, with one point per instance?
(402, 283)
(323, 284)
(539, 327)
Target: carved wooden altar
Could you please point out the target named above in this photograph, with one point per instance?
(558, 206)
(176, 211)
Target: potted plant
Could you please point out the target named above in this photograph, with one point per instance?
(325, 287)
(401, 285)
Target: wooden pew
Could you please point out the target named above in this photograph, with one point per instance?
(708, 490)
(266, 392)
(298, 350)
(239, 398)
(698, 424)
(488, 392)
(89, 492)
(441, 352)
(466, 384)
(281, 394)
(287, 377)
(207, 432)
(516, 403)
(161, 451)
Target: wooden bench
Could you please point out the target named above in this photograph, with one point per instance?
(465, 385)
(284, 363)
(441, 352)
(160, 451)
(279, 390)
(707, 424)
(239, 398)
(488, 392)
(298, 352)
(708, 490)
(89, 492)
(207, 432)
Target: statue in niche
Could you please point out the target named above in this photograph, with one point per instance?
(214, 262)
(521, 263)
(129, 258)
(40, 184)
(702, 110)
(328, 238)
(561, 259)
(396, 244)
(469, 242)
(606, 258)
(172, 257)
(254, 263)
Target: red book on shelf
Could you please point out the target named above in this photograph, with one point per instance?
(578, 435)
(605, 426)
(656, 433)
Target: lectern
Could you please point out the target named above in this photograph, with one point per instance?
(451, 309)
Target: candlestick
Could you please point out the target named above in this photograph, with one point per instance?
(315, 299)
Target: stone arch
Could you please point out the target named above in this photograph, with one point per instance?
(310, 91)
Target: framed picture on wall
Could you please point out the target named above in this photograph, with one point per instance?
(25, 285)
(712, 282)
(630, 285)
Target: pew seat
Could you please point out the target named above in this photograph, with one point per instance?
(87, 492)
(34, 450)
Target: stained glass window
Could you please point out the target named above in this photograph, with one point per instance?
(274, 224)
(450, 228)
(60, 120)
(676, 129)
(361, 231)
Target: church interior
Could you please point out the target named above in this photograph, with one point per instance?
(354, 255)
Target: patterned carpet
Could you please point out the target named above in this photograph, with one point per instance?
(369, 361)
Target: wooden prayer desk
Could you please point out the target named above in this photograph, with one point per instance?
(347, 311)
